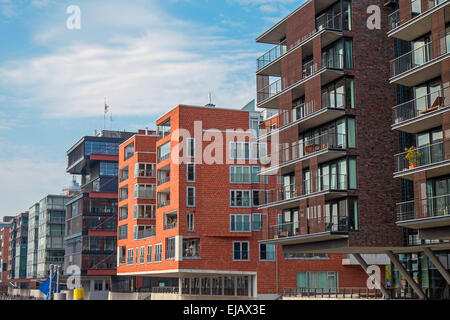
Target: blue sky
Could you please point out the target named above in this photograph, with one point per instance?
(145, 56)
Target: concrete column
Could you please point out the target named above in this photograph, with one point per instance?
(430, 254)
(365, 267)
(405, 273)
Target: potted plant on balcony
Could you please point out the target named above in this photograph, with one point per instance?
(412, 156)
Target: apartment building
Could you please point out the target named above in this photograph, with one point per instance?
(420, 31)
(91, 215)
(333, 152)
(33, 241)
(203, 237)
(4, 251)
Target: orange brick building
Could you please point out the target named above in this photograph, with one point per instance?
(202, 237)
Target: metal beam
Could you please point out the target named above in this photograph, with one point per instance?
(365, 267)
(405, 273)
(430, 254)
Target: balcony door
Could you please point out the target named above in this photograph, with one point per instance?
(288, 187)
(437, 197)
(429, 146)
(426, 95)
(421, 51)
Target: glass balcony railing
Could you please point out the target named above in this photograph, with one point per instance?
(146, 233)
(421, 55)
(394, 20)
(272, 55)
(418, 157)
(430, 207)
(417, 7)
(326, 182)
(308, 69)
(422, 105)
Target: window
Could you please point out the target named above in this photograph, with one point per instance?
(266, 252)
(170, 248)
(164, 152)
(109, 169)
(190, 172)
(190, 221)
(123, 232)
(257, 221)
(191, 248)
(240, 174)
(339, 94)
(338, 55)
(144, 191)
(240, 198)
(149, 254)
(190, 196)
(191, 147)
(318, 280)
(137, 254)
(305, 256)
(240, 223)
(130, 256)
(91, 147)
(123, 213)
(158, 252)
(241, 251)
(129, 151)
(255, 198)
(142, 256)
(123, 174)
(122, 252)
(144, 211)
(123, 193)
(240, 150)
(144, 170)
(98, 285)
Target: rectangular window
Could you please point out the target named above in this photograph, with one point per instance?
(158, 252)
(255, 198)
(240, 223)
(123, 174)
(110, 169)
(149, 254)
(190, 221)
(144, 191)
(130, 256)
(240, 199)
(129, 151)
(123, 232)
(123, 193)
(144, 211)
(170, 248)
(257, 221)
(137, 254)
(142, 256)
(145, 170)
(241, 251)
(318, 280)
(164, 152)
(123, 213)
(190, 172)
(191, 147)
(191, 248)
(305, 256)
(266, 252)
(240, 174)
(240, 150)
(190, 196)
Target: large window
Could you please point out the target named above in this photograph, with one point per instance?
(257, 221)
(339, 94)
(341, 215)
(170, 248)
(123, 232)
(130, 256)
(109, 169)
(305, 256)
(318, 280)
(129, 151)
(142, 256)
(158, 252)
(241, 251)
(266, 252)
(144, 170)
(240, 222)
(144, 211)
(240, 174)
(240, 198)
(91, 147)
(191, 248)
(164, 152)
(144, 191)
(338, 55)
(123, 213)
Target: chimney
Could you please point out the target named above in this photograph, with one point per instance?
(210, 104)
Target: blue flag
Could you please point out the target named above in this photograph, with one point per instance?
(45, 287)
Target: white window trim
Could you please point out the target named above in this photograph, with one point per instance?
(187, 197)
(260, 215)
(188, 144)
(193, 221)
(250, 198)
(187, 171)
(159, 246)
(174, 249)
(151, 254)
(250, 174)
(248, 246)
(142, 255)
(136, 169)
(274, 253)
(244, 214)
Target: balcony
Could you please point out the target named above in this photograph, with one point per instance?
(422, 113)
(163, 130)
(328, 27)
(332, 68)
(146, 233)
(420, 64)
(430, 158)
(420, 23)
(432, 212)
(326, 147)
(332, 186)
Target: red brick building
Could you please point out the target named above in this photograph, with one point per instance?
(203, 238)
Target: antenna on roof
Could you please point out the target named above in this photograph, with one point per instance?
(210, 104)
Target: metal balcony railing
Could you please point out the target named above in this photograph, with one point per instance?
(269, 91)
(429, 207)
(330, 293)
(419, 157)
(308, 69)
(170, 225)
(421, 55)
(272, 55)
(394, 20)
(163, 203)
(422, 105)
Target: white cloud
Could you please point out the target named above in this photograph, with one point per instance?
(35, 178)
(146, 64)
